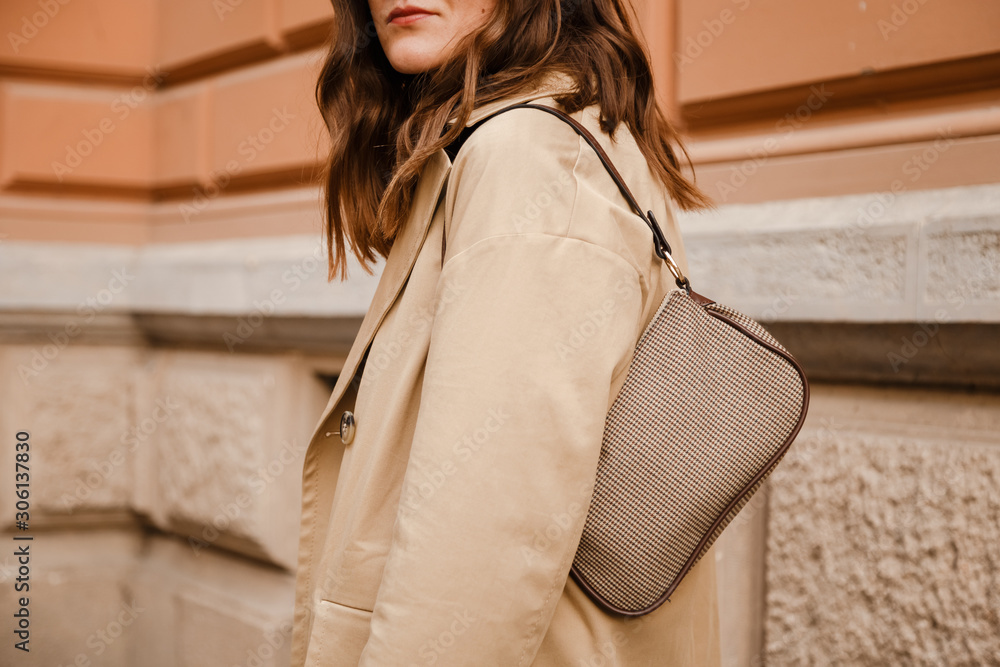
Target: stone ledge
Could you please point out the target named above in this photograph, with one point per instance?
(280, 276)
(921, 256)
(53, 331)
(958, 354)
(251, 332)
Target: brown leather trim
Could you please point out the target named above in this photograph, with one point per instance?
(699, 299)
(764, 472)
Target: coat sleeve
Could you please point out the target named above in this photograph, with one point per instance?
(530, 328)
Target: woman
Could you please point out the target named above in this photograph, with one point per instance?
(446, 485)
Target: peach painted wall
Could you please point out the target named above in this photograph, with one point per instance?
(184, 101)
(788, 42)
(144, 101)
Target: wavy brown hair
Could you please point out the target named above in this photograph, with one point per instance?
(385, 125)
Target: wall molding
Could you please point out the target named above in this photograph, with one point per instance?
(920, 256)
(870, 87)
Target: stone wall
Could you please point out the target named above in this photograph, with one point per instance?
(164, 492)
(168, 442)
(876, 541)
(168, 336)
(883, 535)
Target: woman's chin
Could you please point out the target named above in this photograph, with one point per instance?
(413, 56)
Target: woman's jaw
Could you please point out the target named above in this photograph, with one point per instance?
(420, 35)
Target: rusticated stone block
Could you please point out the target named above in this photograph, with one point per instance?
(913, 257)
(884, 533)
(212, 609)
(814, 264)
(247, 640)
(266, 119)
(82, 608)
(77, 404)
(225, 468)
(739, 558)
(963, 266)
(178, 119)
(189, 30)
(298, 14)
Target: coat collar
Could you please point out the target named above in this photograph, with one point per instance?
(552, 84)
(407, 245)
(397, 268)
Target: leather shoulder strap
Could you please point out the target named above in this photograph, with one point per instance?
(590, 139)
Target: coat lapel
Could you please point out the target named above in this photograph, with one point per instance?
(396, 271)
(407, 245)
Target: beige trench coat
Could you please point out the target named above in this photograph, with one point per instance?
(443, 534)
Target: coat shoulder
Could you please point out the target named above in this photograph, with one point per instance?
(528, 172)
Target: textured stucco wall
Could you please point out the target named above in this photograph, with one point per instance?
(883, 540)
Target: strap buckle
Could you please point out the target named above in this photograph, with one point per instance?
(663, 251)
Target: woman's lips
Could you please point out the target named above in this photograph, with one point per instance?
(407, 15)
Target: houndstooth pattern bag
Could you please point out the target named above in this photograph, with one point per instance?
(710, 405)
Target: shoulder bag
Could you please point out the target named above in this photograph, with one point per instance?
(710, 404)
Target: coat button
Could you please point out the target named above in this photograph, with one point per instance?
(347, 425)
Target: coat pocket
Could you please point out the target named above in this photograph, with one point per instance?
(339, 635)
